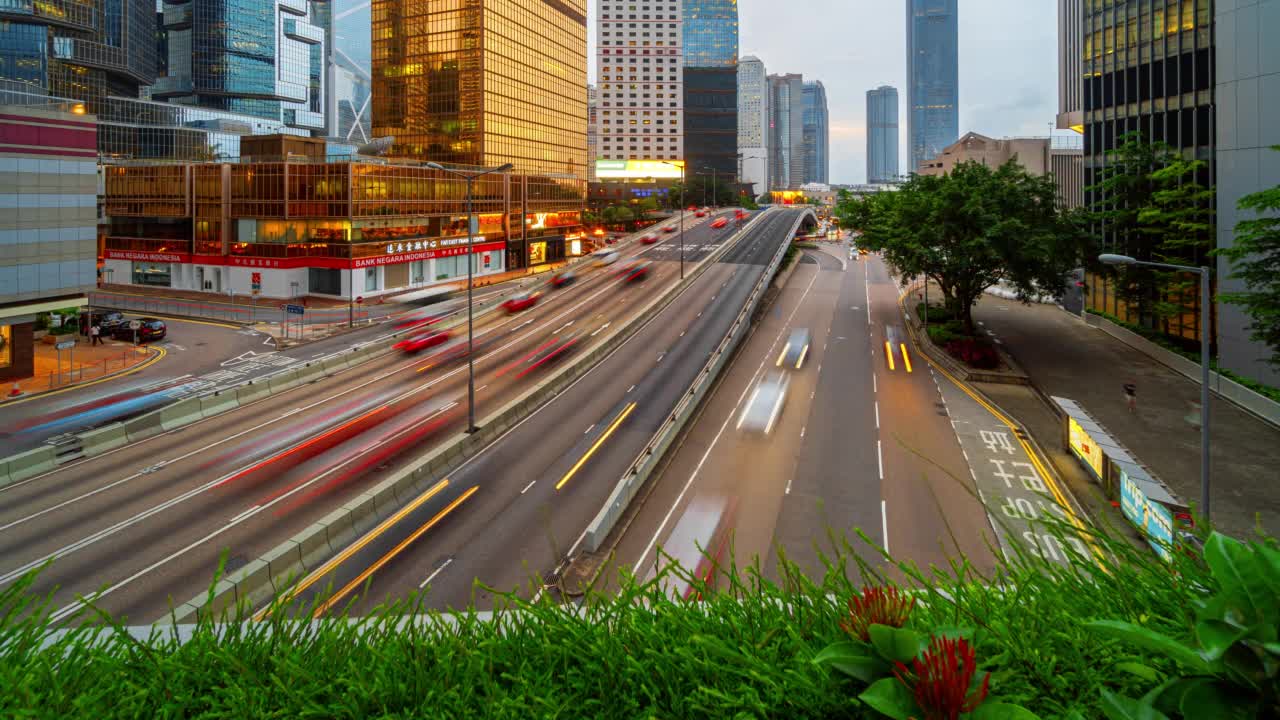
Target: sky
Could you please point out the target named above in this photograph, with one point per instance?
(1008, 63)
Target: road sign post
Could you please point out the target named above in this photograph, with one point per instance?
(68, 345)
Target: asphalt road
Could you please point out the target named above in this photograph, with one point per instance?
(513, 513)
(147, 523)
(858, 446)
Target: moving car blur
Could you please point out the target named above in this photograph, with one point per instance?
(521, 302)
(796, 349)
(649, 239)
(421, 341)
(719, 223)
(670, 229)
(634, 270)
(765, 404)
(564, 278)
(608, 256)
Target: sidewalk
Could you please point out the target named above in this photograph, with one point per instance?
(85, 363)
(1065, 357)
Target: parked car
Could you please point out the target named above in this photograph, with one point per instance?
(148, 329)
(521, 302)
(107, 321)
(423, 340)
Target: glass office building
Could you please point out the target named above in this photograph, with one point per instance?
(882, 135)
(83, 49)
(483, 82)
(786, 130)
(933, 85)
(817, 134)
(753, 124)
(710, 33)
(264, 58)
(351, 70)
(1149, 69)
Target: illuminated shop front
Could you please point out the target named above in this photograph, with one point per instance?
(342, 228)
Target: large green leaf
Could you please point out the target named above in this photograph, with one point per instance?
(1002, 711)
(1216, 637)
(1217, 700)
(890, 697)
(1269, 564)
(1153, 641)
(852, 659)
(896, 644)
(1235, 566)
(1119, 707)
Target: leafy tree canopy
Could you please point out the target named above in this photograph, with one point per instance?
(1255, 258)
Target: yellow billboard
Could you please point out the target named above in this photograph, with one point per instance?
(1084, 446)
(636, 169)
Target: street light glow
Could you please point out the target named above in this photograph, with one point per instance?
(1109, 259)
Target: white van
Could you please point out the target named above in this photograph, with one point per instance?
(607, 256)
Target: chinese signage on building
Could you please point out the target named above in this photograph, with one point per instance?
(410, 255)
(1084, 447)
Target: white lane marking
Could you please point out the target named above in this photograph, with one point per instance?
(866, 284)
(880, 459)
(682, 334)
(482, 387)
(433, 575)
(751, 385)
(557, 332)
(584, 432)
(884, 524)
(661, 355)
(526, 487)
(802, 431)
(242, 515)
(602, 327)
(788, 492)
(877, 414)
(633, 387)
(75, 606)
(874, 388)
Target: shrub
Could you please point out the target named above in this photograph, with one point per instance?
(974, 352)
(938, 315)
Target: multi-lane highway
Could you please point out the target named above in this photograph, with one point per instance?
(147, 523)
(861, 444)
(513, 513)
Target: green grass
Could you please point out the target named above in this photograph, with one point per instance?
(1169, 344)
(744, 653)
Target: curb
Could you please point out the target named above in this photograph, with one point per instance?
(156, 356)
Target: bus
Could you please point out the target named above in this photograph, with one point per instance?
(699, 543)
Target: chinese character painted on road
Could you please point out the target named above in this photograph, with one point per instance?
(1031, 482)
(997, 441)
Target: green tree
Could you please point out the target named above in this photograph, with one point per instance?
(646, 205)
(969, 230)
(1150, 207)
(1255, 258)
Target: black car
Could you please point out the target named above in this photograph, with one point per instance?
(107, 321)
(148, 329)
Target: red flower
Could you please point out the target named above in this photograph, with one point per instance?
(940, 679)
(876, 606)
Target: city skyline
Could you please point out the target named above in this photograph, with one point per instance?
(861, 46)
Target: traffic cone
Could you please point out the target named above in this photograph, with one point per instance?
(16, 391)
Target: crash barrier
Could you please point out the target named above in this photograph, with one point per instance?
(278, 570)
(642, 468)
(28, 464)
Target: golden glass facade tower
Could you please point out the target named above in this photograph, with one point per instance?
(483, 82)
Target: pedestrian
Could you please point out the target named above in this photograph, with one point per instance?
(1131, 396)
(95, 335)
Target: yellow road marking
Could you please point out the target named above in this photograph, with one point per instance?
(349, 587)
(583, 460)
(161, 352)
(906, 359)
(355, 547)
(888, 352)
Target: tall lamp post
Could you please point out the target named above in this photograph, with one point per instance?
(470, 177)
(684, 190)
(1204, 359)
(715, 199)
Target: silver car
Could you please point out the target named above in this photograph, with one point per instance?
(765, 404)
(796, 349)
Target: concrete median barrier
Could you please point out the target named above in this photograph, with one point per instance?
(180, 414)
(284, 565)
(97, 442)
(218, 402)
(281, 382)
(31, 463)
(310, 373)
(141, 428)
(335, 364)
(252, 392)
(311, 547)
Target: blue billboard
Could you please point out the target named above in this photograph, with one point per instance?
(1152, 518)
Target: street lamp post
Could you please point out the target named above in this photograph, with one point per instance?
(684, 189)
(715, 198)
(1204, 360)
(471, 361)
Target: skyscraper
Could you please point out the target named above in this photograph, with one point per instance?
(786, 126)
(593, 131)
(351, 67)
(265, 59)
(86, 50)
(483, 82)
(641, 79)
(817, 158)
(1069, 167)
(933, 85)
(711, 87)
(882, 135)
(753, 124)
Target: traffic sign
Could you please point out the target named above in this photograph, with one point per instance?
(295, 309)
(66, 344)
(360, 300)
(135, 324)
(256, 282)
